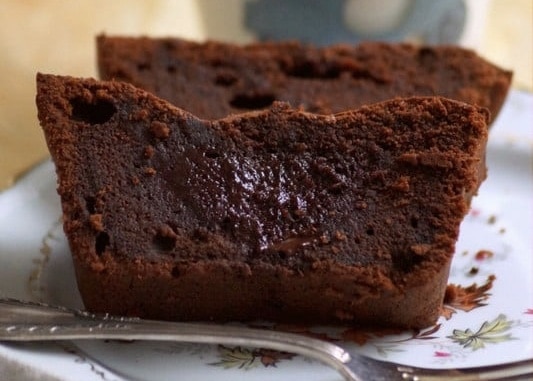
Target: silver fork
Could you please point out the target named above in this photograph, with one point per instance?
(29, 321)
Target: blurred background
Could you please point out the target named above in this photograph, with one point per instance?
(57, 36)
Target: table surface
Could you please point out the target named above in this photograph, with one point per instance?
(55, 36)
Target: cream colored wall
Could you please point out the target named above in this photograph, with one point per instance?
(508, 39)
(57, 36)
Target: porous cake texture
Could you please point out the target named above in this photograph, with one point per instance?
(280, 215)
(214, 79)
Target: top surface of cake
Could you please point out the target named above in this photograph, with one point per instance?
(214, 79)
(371, 198)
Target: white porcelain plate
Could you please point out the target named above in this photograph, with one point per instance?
(488, 321)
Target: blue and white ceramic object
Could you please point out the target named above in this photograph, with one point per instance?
(324, 22)
(333, 21)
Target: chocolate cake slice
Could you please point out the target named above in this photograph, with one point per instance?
(214, 79)
(278, 215)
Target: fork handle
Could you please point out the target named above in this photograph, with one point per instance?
(29, 321)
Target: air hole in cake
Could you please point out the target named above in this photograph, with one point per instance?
(93, 113)
(169, 45)
(414, 222)
(90, 203)
(171, 69)
(370, 76)
(309, 70)
(102, 241)
(252, 102)
(370, 231)
(336, 188)
(142, 66)
(226, 224)
(201, 234)
(175, 272)
(225, 79)
(283, 255)
(211, 154)
(404, 262)
(163, 242)
(427, 57)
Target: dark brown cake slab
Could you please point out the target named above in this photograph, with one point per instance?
(214, 79)
(278, 215)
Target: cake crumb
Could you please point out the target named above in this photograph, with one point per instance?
(408, 158)
(492, 220)
(97, 266)
(300, 147)
(361, 205)
(96, 222)
(140, 115)
(340, 236)
(150, 171)
(149, 151)
(299, 213)
(482, 255)
(401, 184)
(420, 249)
(160, 129)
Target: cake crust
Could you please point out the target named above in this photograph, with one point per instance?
(214, 79)
(281, 214)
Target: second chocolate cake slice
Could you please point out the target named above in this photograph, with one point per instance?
(214, 79)
(280, 215)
